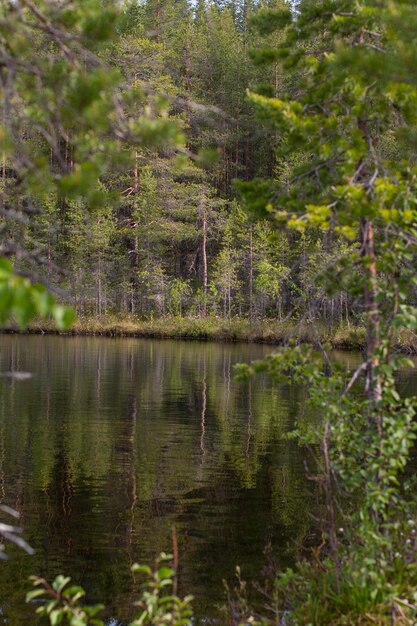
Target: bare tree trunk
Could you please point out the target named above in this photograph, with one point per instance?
(136, 237)
(276, 72)
(279, 308)
(330, 501)
(136, 173)
(135, 190)
(187, 82)
(99, 287)
(204, 258)
(158, 22)
(251, 274)
(373, 338)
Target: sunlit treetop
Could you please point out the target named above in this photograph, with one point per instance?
(347, 128)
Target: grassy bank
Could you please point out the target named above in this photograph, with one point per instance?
(210, 329)
(270, 332)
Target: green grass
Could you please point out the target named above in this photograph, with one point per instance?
(268, 331)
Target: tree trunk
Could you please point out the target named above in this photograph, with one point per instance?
(99, 291)
(136, 236)
(187, 84)
(251, 274)
(373, 339)
(276, 73)
(158, 22)
(135, 191)
(132, 300)
(204, 259)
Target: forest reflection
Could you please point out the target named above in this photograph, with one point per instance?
(113, 442)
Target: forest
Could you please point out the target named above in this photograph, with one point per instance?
(172, 237)
(234, 161)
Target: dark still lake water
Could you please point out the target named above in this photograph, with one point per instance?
(115, 441)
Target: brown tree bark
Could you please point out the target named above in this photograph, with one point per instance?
(251, 274)
(373, 388)
(203, 222)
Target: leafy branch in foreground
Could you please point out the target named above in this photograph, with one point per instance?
(63, 603)
(158, 604)
(22, 300)
(366, 563)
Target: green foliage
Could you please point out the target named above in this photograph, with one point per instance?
(268, 21)
(349, 180)
(340, 113)
(371, 565)
(158, 604)
(179, 292)
(76, 124)
(22, 301)
(109, 98)
(62, 603)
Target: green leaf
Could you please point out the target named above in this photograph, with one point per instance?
(165, 572)
(6, 268)
(63, 316)
(55, 617)
(44, 302)
(77, 620)
(35, 593)
(141, 569)
(75, 592)
(60, 582)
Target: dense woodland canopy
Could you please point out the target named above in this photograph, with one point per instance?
(177, 241)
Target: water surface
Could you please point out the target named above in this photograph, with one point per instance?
(115, 441)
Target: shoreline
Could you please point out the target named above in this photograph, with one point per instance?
(268, 332)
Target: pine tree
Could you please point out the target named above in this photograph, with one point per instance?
(345, 131)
